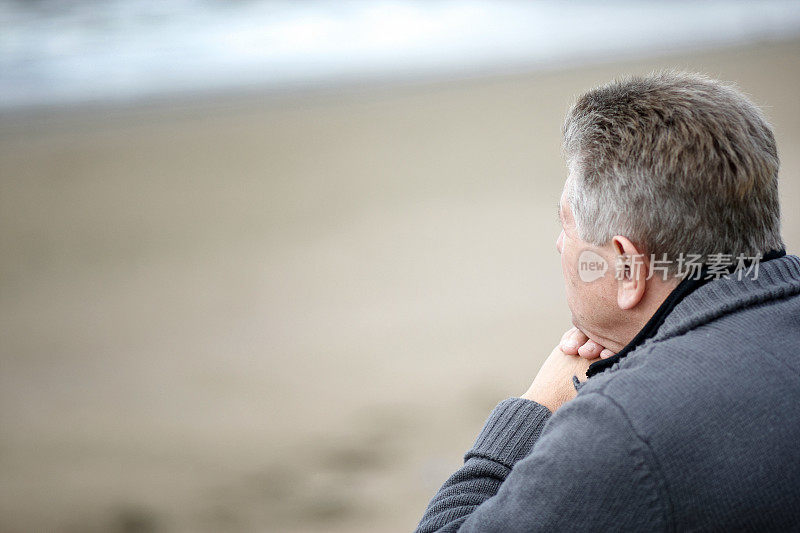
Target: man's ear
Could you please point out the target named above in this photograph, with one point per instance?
(631, 273)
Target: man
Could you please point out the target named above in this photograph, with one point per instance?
(681, 293)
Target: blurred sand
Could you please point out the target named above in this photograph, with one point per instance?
(288, 313)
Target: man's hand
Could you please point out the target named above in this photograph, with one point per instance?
(575, 342)
(553, 385)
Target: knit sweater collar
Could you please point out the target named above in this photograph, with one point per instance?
(777, 278)
(696, 302)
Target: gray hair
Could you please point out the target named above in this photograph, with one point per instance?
(677, 162)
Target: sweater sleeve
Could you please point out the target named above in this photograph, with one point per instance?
(588, 470)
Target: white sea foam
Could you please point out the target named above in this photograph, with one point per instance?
(57, 52)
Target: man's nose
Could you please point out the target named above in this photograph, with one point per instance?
(560, 241)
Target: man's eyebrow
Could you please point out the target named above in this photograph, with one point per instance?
(558, 213)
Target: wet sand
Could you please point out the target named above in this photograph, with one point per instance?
(288, 313)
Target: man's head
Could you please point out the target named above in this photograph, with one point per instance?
(668, 164)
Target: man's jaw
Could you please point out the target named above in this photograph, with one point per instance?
(604, 340)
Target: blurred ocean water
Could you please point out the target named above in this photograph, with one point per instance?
(55, 52)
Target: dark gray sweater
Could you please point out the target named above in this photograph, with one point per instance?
(696, 429)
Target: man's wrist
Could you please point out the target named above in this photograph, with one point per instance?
(544, 400)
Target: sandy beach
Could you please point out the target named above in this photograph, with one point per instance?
(289, 312)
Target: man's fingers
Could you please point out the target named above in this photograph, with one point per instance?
(567, 345)
(575, 342)
(590, 350)
(572, 340)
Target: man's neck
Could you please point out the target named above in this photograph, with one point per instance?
(635, 319)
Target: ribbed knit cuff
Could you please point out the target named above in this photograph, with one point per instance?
(510, 432)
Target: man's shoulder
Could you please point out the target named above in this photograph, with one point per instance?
(704, 367)
(715, 385)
